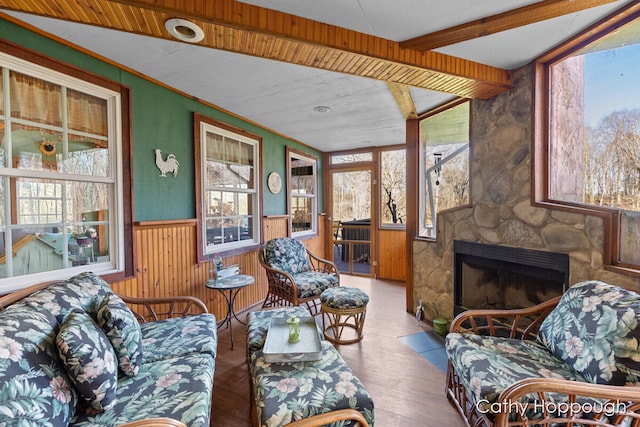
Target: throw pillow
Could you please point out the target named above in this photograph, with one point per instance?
(595, 330)
(89, 360)
(123, 330)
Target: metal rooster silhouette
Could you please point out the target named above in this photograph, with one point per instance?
(169, 165)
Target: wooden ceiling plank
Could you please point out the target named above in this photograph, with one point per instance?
(349, 52)
(239, 15)
(530, 14)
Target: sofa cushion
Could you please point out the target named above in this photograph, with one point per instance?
(488, 365)
(89, 360)
(287, 254)
(595, 330)
(179, 336)
(292, 391)
(178, 388)
(33, 383)
(123, 330)
(84, 291)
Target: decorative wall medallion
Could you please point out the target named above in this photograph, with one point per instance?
(169, 165)
(274, 182)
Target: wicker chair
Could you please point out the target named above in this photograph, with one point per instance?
(295, 275)
(518, 367)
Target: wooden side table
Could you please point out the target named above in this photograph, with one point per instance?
(229, 289)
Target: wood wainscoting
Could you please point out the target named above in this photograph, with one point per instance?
(165, 263)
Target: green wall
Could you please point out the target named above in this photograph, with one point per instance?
(163, 119)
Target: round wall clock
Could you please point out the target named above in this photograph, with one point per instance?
(274, 182)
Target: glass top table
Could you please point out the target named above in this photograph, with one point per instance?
(229, 288)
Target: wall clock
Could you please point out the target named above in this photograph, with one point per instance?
(274, 182)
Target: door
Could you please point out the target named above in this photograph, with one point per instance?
(352, 220)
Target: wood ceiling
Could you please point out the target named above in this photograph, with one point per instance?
(247, 29)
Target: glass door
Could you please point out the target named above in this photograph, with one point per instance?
(352, 221)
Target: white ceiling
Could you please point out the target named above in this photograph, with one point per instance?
(281, 96)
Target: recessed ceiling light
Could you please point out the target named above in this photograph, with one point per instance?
(184, 30)
(321, 109)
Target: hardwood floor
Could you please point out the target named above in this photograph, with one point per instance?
(406, 389)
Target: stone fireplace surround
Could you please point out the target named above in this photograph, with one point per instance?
(501, 211)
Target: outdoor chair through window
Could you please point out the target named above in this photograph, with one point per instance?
(295, 275)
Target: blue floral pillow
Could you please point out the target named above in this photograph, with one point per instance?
(123, 330)
(287, 254)
(89, 360)
(595, 330)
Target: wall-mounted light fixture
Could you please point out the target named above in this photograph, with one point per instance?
(321, 109)
(184, 30)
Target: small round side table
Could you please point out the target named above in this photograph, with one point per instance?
(229, 288)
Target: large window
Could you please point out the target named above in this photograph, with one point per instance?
(592, 147)
(444, 164)
(61, 204)
(393, 191)
(302, 185)
(229, 187)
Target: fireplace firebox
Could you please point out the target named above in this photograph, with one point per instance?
(503, 277)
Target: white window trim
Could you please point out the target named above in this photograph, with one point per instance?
(214, 249)
(114, 178)
(314, 211)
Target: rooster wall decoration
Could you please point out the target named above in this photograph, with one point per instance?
(169, 165)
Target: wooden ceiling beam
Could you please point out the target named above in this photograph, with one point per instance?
(402, 95)
(251, 30)
(530, 14)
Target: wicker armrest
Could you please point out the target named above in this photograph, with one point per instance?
(518, 323)
(152, 309)
(154, 422)
(322, 265)
(603, 405)
(331, 417)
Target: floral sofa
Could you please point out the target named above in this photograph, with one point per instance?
(73, 353)
(571, 359)
(306, 394)
(295, 275)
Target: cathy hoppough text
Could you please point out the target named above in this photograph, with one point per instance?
(608, 409)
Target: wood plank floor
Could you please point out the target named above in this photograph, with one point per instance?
(406, 389)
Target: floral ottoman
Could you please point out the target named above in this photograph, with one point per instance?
(287, 392)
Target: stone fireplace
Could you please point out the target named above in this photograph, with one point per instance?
(490, 276)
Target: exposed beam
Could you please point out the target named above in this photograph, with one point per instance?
(251, 30)
(536, 12)
(403, 98)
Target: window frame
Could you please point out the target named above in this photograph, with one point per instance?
(292, 152)
(120, 225)
(421, 187)
(540, 182)
(382, 205)
(200, 123)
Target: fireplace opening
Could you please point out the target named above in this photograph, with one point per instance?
(503, 277)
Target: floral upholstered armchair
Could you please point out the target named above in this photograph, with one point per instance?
(295, 275)
(573, 360)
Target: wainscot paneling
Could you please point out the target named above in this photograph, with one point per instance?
(392, 252)
(165, 264)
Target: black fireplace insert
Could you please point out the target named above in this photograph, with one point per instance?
(502, 277)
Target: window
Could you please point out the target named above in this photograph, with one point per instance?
(444, 164)
(61, 203)
(302, 186)
(592, 115)
(227, 178)
(393, 177)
